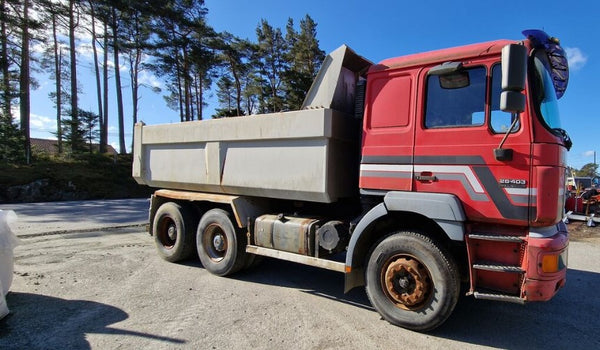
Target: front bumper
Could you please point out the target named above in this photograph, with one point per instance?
(546, 265)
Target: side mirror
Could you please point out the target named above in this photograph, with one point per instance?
(514, 72)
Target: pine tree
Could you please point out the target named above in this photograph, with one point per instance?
(304, 57)
(182, 54)
(11, 144)
(89, 126)
(271, 63)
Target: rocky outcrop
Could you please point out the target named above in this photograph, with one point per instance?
(42, 190)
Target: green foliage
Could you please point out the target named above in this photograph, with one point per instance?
(271, 64)
(89, 124)
(224, 113)
(85, 176)
(588, 170)
(305, 59)
(226, 93)
(80, 134)
(182, 53)
(171, 37)
(12, 141)
(272, 75)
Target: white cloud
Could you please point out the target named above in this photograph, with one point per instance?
(42, 123)
(588, 153)
(86, 50)
(577, 59)
(38, 48)
(37, 123)
(149, 79)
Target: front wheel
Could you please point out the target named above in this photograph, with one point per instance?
(412, 281)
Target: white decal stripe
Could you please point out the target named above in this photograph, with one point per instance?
(453, 169)
(386, 167)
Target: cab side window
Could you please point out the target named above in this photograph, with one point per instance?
(500, 121)
(456, 99)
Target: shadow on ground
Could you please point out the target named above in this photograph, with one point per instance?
(43, 322)
(569, 320)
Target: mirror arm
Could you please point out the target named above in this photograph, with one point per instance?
(506, 154)
(512, 126)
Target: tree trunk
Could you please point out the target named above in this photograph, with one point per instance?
(6, 91)
(102, 146)
(58, 77)
(24, 98)
(178, 77)
(73, 61)
(104, 131)
(238, 87)
(186, 85)
(135, 68)
(121, 118)
(198, 87)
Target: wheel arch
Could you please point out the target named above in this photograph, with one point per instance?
(438, 216)
(241, 207)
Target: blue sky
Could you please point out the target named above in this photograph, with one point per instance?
(384, 29)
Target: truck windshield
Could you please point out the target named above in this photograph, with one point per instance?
(544, 93)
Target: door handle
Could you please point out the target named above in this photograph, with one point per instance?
(426, 177)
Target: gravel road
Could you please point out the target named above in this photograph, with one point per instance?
(109, 289)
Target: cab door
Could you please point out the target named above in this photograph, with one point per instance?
(388, 131)
(460, 125)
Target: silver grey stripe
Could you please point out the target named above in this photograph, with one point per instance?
(479, 197)
(523, 199)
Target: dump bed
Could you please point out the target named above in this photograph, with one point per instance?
(310, 155)
(307, 155)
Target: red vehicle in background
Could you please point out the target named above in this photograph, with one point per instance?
(583, 199)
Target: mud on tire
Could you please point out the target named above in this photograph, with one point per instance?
(412, 281)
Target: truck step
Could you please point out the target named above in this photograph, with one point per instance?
(499, 297)
(497, 238)
(489, 266)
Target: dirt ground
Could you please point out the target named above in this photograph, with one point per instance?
(110, 290)
(579, 231)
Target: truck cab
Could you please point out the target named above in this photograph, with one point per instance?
(452, 126)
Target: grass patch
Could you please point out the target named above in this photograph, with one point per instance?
(84, 177)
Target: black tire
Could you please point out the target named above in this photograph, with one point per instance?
(221, 248)
(412, 281)
(173, 231)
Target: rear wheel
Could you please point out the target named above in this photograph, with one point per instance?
(221, 247)
(412, 281)
(173, 231)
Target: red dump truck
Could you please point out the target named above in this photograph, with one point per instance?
(411, 177)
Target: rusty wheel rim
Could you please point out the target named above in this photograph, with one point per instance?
(215, 243)
(167, 233)
(406, 282)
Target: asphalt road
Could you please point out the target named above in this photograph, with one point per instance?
(108, 289)
(60, 217)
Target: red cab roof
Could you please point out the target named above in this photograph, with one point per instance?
(461, 53)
